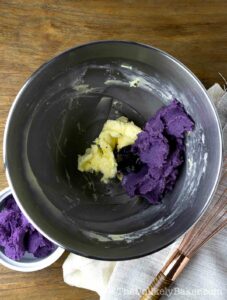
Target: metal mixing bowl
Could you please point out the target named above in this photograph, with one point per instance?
(47, 127)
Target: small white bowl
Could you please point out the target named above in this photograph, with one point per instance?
(28, 263)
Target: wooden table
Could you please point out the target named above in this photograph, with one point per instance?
(32, 32)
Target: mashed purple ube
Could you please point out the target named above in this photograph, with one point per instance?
(17, 235)
(158, 154)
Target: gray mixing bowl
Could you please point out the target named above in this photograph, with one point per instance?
(54, 118)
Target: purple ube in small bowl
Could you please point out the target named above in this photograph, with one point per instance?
(18, 236)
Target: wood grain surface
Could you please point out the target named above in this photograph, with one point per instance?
(32, 32)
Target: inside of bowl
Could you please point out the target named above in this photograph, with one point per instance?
(56, 119)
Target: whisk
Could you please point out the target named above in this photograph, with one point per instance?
(213, 220)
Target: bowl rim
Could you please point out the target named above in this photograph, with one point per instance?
(174, 60)
(27, 266)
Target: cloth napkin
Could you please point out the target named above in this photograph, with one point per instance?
(205, 277)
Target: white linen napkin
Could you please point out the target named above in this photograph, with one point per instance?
(204, 278)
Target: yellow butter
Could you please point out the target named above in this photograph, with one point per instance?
(100, 157)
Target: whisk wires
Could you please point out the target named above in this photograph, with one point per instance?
(213, 220)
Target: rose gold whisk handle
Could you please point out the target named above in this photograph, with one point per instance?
(157, 287)
(166, 276)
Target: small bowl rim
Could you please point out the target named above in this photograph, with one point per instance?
(27, 266)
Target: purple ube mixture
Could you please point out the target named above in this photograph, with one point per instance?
(157, 154)
(17, 235)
